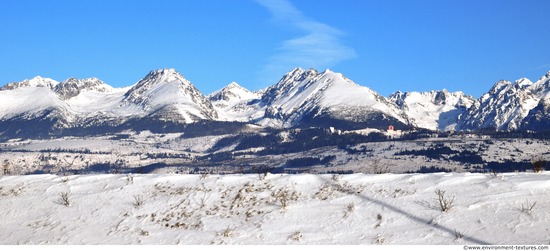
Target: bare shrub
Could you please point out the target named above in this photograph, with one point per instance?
(130, 178)
(494, 173)
(458, 235)
(380, 240)
(138, 201)
(262, 170)
(65, 179)
(6, 168)
(205, 174)
(379, 168)
(228, 232)
(445, 203)
(205, 198)
(240, 170)
(297, 236)
(538, 164)
(350, 208)
(284, 196)
(119, 163)
(526, 208)
(144, 233)
(65, 198)
(379, 218)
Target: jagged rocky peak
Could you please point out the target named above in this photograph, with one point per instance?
(500, 86)
(289, 81)
(35, 82)
(155, 78)
(232, 91)
(161, 76)
(398, 98)
(299, 74)
(165, 75)
(72, 87)
(170, 96)
(523, 82)
(441, 97)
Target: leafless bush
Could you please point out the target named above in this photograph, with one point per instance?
(494, 173)
(6, 168)
(297, 236)
(144, 233)
(445, 203)
(350, 208)
(527, 207)
(380, 240)
(138, 201)
(379, 168)
(119, 163)
(130, 178)
(65, 179)
(458, 235)
(204, 174)
(379, 218)
(284, 196)
(204, 199)
(262, 170)
(538, 164)
(336, 177)
(228, 232)
(65, 198)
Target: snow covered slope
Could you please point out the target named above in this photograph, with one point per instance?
(433, 110)
(387, 209)
(236, 103)
(35, 82)
(507, 106)
(166, 94)
(302, 98)
(538, 117)
(309, 98)
(503, 107)
(163, 95)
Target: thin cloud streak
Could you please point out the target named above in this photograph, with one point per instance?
(544, 66)
(320, 48)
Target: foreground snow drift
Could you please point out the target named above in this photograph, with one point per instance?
(289, 209)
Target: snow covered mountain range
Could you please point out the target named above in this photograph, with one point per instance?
(302, 98)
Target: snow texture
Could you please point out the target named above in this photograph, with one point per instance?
(385, 209)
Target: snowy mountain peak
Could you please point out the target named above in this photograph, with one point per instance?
(233, 85)
(166, 75)
(169, 96)
(523, 82)
(299, 74)
(155, 78)
(500, 86)
(231, 92)
(433, 109)
(35, 82)
(72, 87)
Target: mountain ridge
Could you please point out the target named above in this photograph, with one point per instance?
(302, 98)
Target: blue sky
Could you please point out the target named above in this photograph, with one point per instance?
(386, 45)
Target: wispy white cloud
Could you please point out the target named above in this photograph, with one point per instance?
(320, 47)
(544, 66)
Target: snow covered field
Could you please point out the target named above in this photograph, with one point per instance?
(386, 209)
